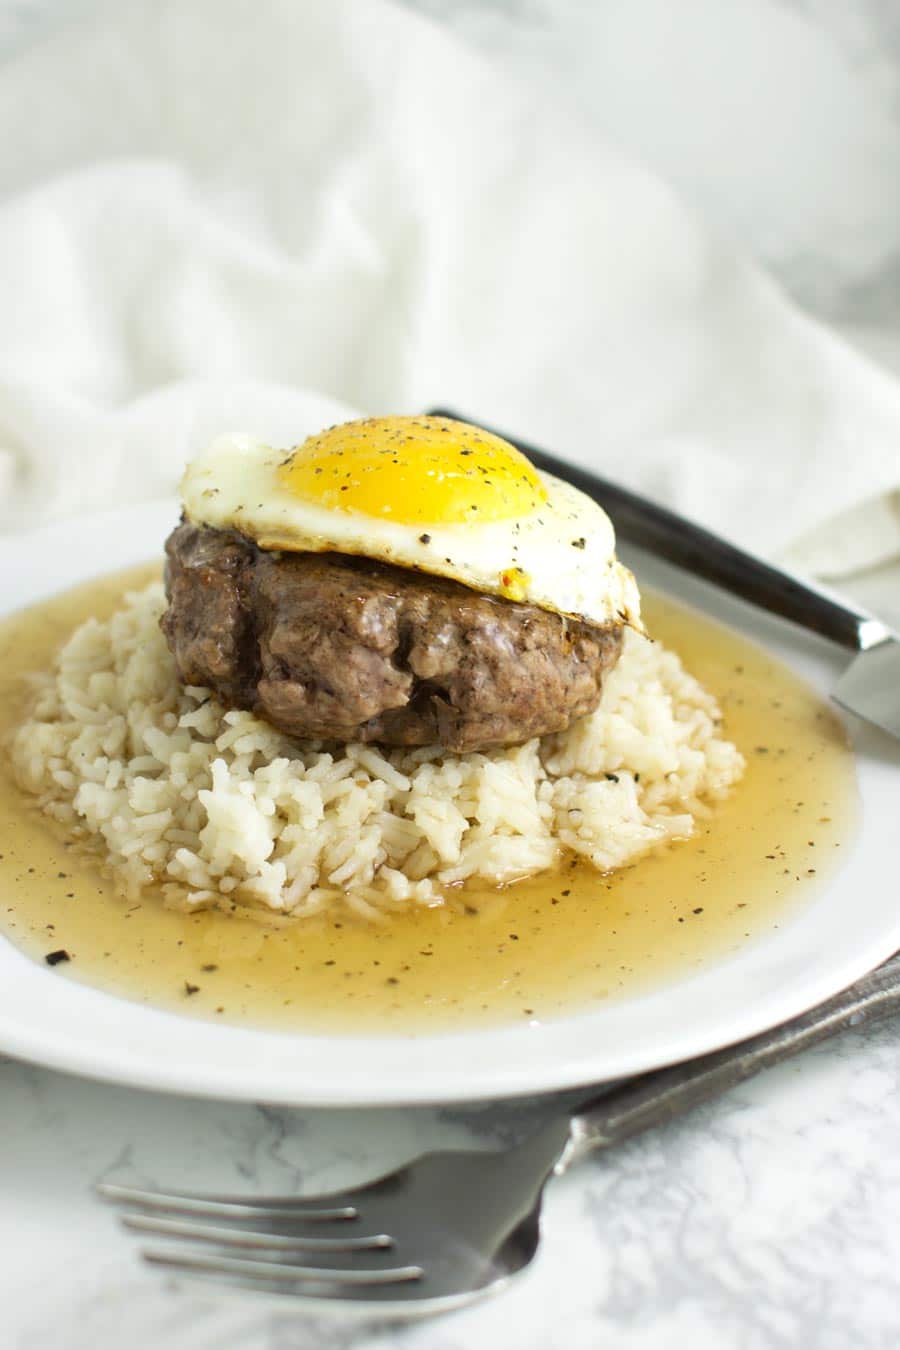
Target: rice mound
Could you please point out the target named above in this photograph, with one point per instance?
(221, 809)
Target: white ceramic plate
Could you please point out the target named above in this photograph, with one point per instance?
(852, 924)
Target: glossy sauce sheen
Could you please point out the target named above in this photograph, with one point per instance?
(532, 951)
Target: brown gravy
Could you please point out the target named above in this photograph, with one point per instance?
(535, 950)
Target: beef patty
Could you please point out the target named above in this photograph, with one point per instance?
(332, 647)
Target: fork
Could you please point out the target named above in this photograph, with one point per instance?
(451, 1226)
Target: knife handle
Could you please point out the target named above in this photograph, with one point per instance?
(704, 554)
(655, 1098)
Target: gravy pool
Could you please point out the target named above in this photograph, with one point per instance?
(537, 950)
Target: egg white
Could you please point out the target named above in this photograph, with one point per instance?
(561, 557)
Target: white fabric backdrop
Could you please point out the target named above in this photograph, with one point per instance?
(220, 215)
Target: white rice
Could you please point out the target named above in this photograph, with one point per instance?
(222, 809)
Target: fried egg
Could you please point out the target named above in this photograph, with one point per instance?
(427, 493)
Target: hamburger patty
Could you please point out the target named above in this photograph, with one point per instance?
(332, 647)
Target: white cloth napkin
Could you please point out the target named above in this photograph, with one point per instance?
(218, 215)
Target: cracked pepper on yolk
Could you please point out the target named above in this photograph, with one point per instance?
(414, 471)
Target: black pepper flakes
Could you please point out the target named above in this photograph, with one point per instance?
(191, 988)
(424, 538)
(55, 958)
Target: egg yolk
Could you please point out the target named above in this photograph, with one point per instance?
(414, 470)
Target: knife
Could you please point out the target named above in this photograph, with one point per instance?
(869, 687)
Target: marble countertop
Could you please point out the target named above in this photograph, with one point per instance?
(764, 1221)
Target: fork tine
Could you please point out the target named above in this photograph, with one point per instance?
(282, 1272)
(313, 1210)
(250, 1238)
